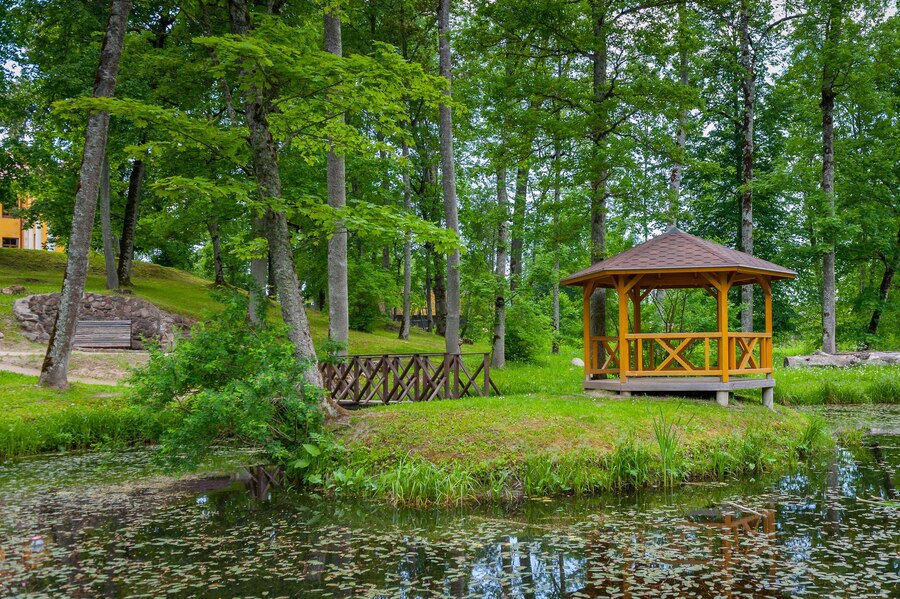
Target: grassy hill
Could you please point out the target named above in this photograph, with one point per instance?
(177, 292)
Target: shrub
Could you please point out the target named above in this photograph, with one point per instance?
(229, 381)
(371, 288)
(528, 331)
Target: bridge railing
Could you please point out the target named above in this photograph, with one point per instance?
(362, 380)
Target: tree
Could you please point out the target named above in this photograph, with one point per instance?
(338, 294)
(54, 371)
(448, 181)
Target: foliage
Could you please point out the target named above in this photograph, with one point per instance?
(527, 331)
(372, 288)
(229, 382)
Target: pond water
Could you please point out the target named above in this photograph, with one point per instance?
(99, 524)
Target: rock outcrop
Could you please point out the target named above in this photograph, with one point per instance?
(37, 313)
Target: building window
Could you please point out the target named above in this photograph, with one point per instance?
(10, 242)
(7, 210)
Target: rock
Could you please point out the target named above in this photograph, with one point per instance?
(821, 359)
(36, 315)
(577, 362)
(1, 335)
(13, 290)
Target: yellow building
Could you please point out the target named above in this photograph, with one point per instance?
(14, 234)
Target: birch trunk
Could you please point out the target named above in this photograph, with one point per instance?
(257, 106)
(599, 133)
(129, 225)
(338, 292)
(407, 247)
(518, 227)
(54, 371)
(829, 341)
(448, 182)
(676, 174)
(498, 353)
(748, 94)
(109, 252)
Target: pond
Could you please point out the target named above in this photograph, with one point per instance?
(112, 525)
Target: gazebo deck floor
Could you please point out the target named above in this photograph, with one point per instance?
(679, 383)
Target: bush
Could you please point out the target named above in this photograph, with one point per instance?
(229, 381)
(528, 331)
(371, 288)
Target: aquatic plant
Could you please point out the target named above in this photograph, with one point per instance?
(666, 430)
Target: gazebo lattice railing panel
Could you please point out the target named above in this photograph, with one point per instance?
(682, 354)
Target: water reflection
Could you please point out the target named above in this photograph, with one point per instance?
(829, 530)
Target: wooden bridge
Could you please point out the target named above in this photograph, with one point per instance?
(364, 380)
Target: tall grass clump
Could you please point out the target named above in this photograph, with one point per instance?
(668, 436)
(629, 466)
(856, 385)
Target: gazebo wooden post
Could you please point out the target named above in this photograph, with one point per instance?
(722, 300)
(624, 358)
(636, 327)
(588, 289)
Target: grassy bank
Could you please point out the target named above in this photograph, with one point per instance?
(496, 448)
(34, 420)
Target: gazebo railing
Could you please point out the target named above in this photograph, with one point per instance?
(682, 354)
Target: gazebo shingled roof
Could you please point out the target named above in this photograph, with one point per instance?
(678, 252)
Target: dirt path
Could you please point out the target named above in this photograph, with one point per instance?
(95, 368)
(36, 372)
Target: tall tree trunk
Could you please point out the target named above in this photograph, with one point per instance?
(129, 224)
(440, 295)
(676, 174)
(212, 224)
(518, 227)
(338, 292)
(498, 353)
(829, 290)
(109, 252)
(257, 107)
(429, 294)
(748, 93)
(557, 196)
(599, 133)
(407, 247)
(884, 290)
(54, 371)
(448, 182)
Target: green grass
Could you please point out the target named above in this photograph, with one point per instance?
(479, 448)
(180, 293)
(857, 385)
(34, 419)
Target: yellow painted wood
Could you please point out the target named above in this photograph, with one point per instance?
(722, 302)
(587, 330)
(624, 358)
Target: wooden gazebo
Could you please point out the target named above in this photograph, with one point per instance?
(719, 361)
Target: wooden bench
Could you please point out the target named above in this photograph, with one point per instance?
(105, 334)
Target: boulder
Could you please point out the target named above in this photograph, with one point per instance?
(843, 360)
(577, 362)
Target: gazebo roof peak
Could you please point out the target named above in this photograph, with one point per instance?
(674, 253)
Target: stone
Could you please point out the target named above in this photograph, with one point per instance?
(577, 362)
(13, 290)
(36, 315)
